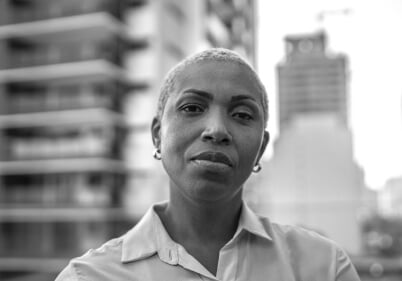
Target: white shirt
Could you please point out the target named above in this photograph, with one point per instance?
(259, 250)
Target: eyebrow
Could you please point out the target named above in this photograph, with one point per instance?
(201, 93)
(210, 96)
(243, 97)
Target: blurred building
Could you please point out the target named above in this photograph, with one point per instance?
(62, 174)
(311, 80)
(390, 198)
(381, 257)
(78, 85)
(312, 179)
(382, 236)
(372, 268)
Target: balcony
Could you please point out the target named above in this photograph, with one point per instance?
(19, 11)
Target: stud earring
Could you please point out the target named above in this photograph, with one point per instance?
(257, 168)
(157, 154)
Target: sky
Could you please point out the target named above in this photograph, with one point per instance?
(370, 34)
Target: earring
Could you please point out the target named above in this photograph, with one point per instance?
(257, 168)
(157, 154)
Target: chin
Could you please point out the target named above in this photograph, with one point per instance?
(213, 192)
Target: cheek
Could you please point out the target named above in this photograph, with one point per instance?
(168, 140)
(250, 150)
(173, 137)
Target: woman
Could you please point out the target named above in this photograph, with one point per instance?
(210, 134)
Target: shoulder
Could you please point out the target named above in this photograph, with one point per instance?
(94, 264)
(301, 243)
(301, 238)
(110, 252)
(311, 254)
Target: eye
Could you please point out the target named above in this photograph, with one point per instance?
(243, 115)
(191, 108)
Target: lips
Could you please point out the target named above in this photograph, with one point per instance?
(216, 157)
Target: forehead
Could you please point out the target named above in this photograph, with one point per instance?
(218, 77)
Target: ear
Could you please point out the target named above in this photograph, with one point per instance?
(156, 132)
(264, 144)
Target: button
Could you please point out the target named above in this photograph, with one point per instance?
(169, 256)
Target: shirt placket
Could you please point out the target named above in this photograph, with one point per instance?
(228, 261)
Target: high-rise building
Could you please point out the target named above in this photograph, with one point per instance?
(311, 79)
(62, 174)
(78, 86)
(312, 179)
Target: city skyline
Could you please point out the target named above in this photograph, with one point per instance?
(351, 30)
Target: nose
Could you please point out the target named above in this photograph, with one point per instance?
(216, 130)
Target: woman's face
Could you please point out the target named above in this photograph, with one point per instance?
(212, 131)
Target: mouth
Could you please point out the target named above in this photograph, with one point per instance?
(213, 157)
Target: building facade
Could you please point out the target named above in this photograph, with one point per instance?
(62, 174)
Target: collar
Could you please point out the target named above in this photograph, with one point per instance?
(251, 222)
(149, 236)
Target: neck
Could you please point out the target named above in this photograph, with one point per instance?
(202, 228)
(205, 222)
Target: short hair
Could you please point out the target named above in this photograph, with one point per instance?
(213, 54)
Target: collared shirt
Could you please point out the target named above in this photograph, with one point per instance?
(259, 250)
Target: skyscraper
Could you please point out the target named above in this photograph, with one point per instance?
(311, 79)
(312, 179)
